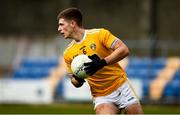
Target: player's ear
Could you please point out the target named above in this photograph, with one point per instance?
(73, 23)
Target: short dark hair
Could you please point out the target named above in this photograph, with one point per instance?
(71, 14)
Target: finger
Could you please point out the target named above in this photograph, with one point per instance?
(87, 68)
(88, 63)
(94, 57)
(89, 72)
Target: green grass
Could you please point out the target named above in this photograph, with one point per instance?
(47, 109)
(161, 109)
(74, 108)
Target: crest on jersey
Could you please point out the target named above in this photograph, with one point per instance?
(93, 46)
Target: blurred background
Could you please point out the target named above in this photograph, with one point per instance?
(32, 74)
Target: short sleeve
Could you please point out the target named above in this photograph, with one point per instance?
(106, 38)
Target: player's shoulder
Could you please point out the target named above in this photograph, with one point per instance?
(95, 30)
(68, 47)
(104, 30)
(92, 31)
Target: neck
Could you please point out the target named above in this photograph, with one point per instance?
(78, 34)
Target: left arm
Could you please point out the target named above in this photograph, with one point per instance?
(120, 51)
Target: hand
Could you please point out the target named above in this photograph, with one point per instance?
(95, 65)
(77, 82)
(80, 80)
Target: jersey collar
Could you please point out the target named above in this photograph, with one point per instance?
(84, 36)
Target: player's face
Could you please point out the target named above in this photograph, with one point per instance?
(65, 28)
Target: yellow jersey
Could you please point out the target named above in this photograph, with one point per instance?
(97, 41)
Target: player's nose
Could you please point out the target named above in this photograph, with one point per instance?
(59, 29)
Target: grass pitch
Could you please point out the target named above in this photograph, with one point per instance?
(76, 108)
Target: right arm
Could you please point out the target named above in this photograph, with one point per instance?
(77, 82)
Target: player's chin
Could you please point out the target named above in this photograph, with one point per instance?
(66, 37)
(63, 35)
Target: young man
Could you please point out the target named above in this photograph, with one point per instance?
(108, 82)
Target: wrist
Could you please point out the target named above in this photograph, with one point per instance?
(103, 62)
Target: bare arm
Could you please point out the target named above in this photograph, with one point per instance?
(120, 51)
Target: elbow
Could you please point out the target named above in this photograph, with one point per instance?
(126, 52)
